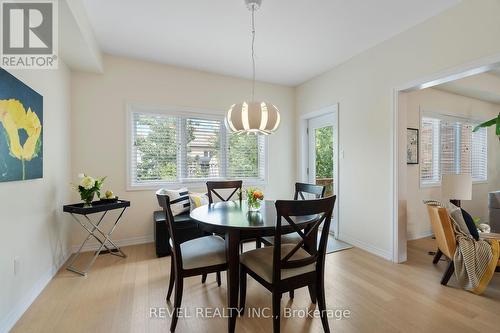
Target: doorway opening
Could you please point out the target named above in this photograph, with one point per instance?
(440, 112)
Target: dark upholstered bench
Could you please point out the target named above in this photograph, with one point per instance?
(188, 229)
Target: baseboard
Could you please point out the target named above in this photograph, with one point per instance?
(93, 246)
(18, 309)
(365, 246)
(402, 258)
(418, 235)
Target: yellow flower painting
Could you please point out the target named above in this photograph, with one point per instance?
(21, 123)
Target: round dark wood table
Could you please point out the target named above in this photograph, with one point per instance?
(237, 223)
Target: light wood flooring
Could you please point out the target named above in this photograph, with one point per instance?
(118, 294)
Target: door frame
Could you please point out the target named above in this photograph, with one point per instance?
(303, 156)
(399, 238)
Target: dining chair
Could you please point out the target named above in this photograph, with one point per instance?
(235, 185)
(213, 186)
(199, 256)
(442, 228)
(293, 265)
(318, 191)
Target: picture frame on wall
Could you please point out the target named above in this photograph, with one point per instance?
(21, 127)
(412, 146)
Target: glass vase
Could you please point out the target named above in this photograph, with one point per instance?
(254, 205)
(87, 199)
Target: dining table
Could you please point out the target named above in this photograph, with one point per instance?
(236, 222)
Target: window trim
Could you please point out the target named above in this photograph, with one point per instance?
(452, 117)
(178, 111)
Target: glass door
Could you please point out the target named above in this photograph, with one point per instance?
(322, 156)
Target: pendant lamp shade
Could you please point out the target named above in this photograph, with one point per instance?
(253, 117)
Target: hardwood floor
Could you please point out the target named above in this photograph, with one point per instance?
(381, 297)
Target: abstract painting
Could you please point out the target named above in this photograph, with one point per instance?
(21, 123)
(412, 146)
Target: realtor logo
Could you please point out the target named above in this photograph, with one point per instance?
(29, 34)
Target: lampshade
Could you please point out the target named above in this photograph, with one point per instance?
(457, 187)
(253, 117)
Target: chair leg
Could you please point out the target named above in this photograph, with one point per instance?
(312, 293)
(320, 293)
(241, 247)
(243, 289)
(217, 276)
(437, 256)
(449, 272)
(204, 278)
(172, 279)
(258, 243)
(276, 311)
(177, 303)
(291, 293)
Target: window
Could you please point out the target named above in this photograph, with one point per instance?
(429, 143)
(448, 146)
(173, 148)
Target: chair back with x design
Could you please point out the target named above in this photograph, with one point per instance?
(317, 190)
(212, 186)
(288, 210)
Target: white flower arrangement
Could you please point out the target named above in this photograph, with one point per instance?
(88, 187)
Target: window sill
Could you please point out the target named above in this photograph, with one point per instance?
(195, 184)
(430, 185)
(474, 182)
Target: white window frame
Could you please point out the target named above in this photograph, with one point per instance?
(445, 116)
(132, 108)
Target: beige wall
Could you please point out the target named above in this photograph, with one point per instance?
(363, 87)
(98, 118)
(432, 100)
(32, 224)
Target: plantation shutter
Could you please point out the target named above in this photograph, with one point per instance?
(429, 151)
(448, 154)
(154, 148)
(479, 155)
(465, 148)
(202, 140)
(246, 156)
(460, 151)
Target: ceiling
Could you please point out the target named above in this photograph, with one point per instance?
(485, 87)
(296, 39)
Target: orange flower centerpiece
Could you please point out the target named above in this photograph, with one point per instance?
(254, 198)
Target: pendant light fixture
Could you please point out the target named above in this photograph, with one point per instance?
(254, 116)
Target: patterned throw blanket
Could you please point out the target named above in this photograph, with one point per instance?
(475, 261)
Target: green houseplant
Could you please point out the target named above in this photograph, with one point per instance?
(492, 122)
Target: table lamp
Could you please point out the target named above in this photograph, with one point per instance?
(456, 188)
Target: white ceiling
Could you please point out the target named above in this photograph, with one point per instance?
(485, 86)
(296, 39)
